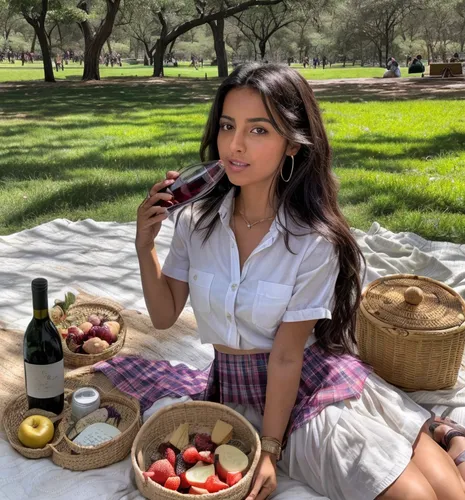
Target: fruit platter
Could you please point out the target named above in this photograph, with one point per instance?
(90, 331)
(212, 450)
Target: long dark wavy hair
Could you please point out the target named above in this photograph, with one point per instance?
(309, 198)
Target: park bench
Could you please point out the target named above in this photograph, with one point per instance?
(446, 70)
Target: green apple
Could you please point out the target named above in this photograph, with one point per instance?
(36, 431)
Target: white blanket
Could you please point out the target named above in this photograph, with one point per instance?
(99, 258)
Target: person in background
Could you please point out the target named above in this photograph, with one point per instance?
(455, 58)
(393, 71)
(417, 66)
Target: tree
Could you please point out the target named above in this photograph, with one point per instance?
(208, 14)
(140, 23)
(8, 19)
(95, 37)
(379, 20)
(35, 13)
(260, 24)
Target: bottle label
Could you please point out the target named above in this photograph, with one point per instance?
(45, 381)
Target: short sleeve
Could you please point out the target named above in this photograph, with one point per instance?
(313, 293)
(177, 262)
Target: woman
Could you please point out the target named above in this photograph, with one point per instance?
(273, 274)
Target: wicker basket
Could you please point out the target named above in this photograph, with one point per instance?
(77, 314)
(129, 425)
(71, 456)
(15, 412)
(199, 415)
(411, 329)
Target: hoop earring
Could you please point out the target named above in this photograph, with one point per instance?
(292, 171)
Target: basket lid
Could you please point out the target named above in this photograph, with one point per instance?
(414, 303)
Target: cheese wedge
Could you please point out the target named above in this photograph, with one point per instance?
(222, 432)
(180, 437)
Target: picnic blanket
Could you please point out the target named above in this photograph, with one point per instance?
(99, 258)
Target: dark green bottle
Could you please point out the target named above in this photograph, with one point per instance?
(43, 355)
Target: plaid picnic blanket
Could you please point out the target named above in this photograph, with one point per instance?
(325, 379)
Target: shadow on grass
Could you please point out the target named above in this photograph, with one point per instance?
(174, 106)
(368, 151)
(93, 193)
(387, 200)
(43, 102)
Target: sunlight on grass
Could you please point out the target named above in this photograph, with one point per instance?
(64, 154)
(73, 71)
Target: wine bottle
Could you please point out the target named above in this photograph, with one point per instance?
(43, 355)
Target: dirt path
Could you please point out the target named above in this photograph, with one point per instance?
(350, 89)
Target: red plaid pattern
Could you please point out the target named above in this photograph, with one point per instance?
(325, 379)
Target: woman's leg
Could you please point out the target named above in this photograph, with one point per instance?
(410, 485)
(438, 468)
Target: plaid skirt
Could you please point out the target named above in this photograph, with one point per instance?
(325, 379)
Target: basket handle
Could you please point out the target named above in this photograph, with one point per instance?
(413, 295)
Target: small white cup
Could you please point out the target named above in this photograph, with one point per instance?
(85, 400)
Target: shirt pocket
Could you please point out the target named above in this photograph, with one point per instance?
(270, 303)
(200, 284)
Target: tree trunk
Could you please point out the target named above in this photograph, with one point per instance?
(48, 67)
(217, 28)
(158, 58)
(262, 47)
(380, 57)
(33, 44)
(148, 57)
(94, 42)
(91, 61)
(109, 46)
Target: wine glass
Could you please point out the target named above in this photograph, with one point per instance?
(194, 182)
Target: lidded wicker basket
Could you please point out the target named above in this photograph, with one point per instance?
(411, 329)
(199, 415)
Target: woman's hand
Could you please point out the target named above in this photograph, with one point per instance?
(150, 217)
(264, 480)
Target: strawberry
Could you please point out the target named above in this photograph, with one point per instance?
(148, 474)
(207, 457)
(191, 455)
(233, 477)
(173, 483)
(214, 484)
(170, 455)
(203, 442)
(180, 465)
(184, 482)
(162, 470)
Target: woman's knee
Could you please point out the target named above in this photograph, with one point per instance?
(410, 485)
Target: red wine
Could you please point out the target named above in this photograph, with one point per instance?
(193, 182)
(43, 355)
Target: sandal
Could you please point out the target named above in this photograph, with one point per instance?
(454, 431)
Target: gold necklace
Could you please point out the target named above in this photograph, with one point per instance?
(251, 225)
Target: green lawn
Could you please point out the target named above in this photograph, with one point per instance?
(93, 150)
(16, 72)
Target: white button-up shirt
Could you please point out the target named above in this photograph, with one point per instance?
(243, 310)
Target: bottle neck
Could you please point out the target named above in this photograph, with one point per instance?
(40, 313)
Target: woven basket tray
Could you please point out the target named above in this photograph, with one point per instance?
(129, 425)
(411, 329)
(199, 415)
(77, 314)
(15, 412)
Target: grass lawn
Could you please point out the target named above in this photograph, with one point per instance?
(92, 151)
(16, 72)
